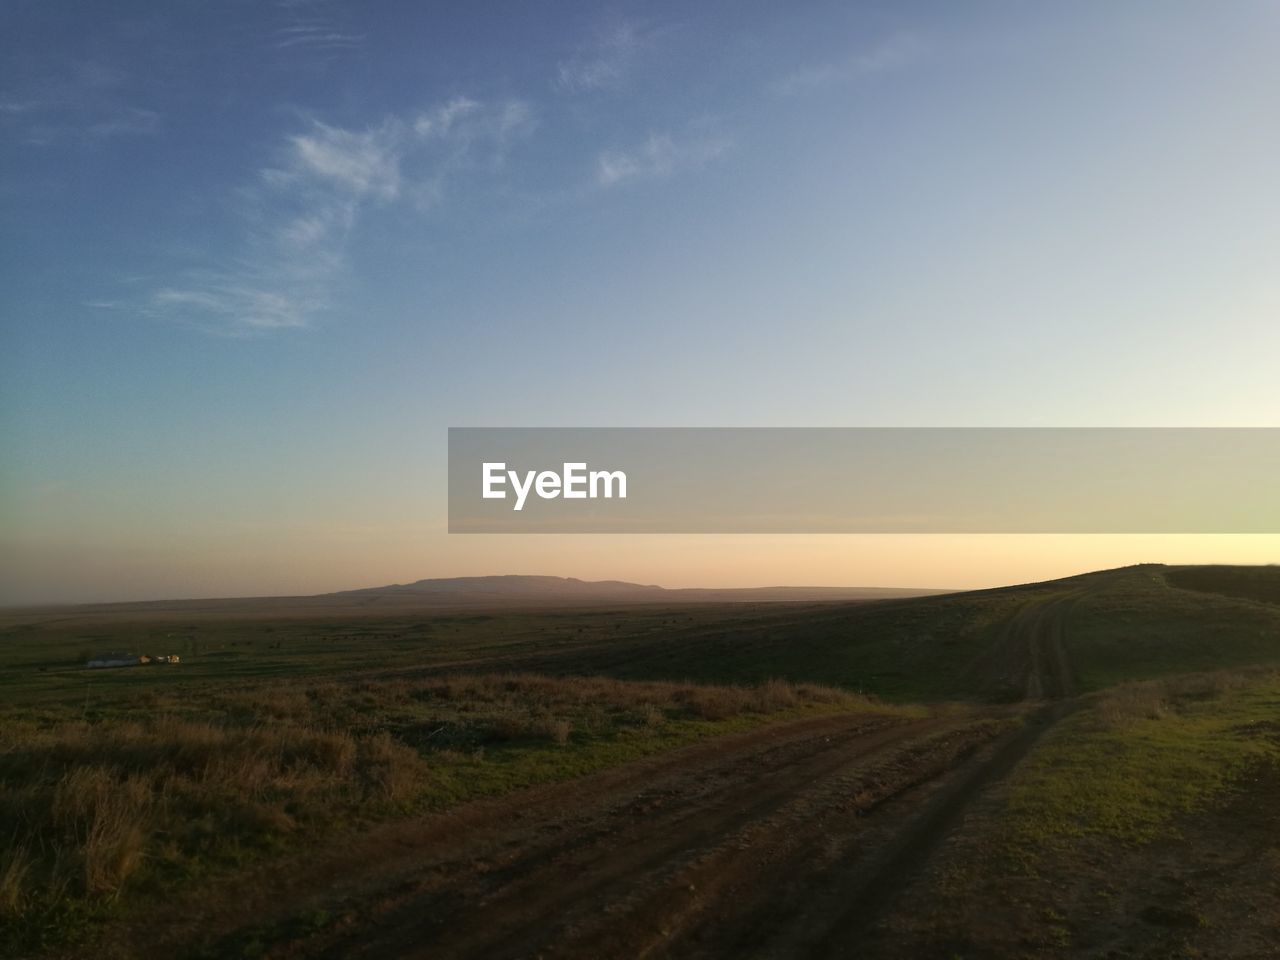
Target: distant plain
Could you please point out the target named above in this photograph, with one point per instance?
(295, 731)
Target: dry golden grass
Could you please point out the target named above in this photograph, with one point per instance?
(1154, 699)
(167, 787)
(1134, 701)
(89, 803)
(535, 691)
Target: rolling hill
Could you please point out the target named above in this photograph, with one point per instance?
(1029, 641)
(471, 593)
(1000, 644)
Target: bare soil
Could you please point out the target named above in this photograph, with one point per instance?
(1029, 658)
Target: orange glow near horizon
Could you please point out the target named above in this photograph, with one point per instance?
(329, 561)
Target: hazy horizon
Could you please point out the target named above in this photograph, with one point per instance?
(1006, 554)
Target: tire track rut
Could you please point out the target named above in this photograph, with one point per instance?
(588, 887)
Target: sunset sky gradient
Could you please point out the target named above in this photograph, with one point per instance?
(258, 257)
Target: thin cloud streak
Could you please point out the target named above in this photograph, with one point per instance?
(315, 26)
(87, 102)
(893, 53)
(238, 305)
(316, 37)
(304, 207)
(658, 157)
(601, 65)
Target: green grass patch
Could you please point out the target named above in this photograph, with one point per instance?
(1142, 755)
(1138, 625)
(1247, 583)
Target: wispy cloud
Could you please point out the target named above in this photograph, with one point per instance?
(316, 36)
(15, 108)
(601, 64)
(659, 156)
(892, 53)
(126, 120)
(302, 209)
(361, 163)
(318, 26)
(88, 101)
(234, 307)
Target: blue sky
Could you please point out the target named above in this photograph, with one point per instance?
(259, 256)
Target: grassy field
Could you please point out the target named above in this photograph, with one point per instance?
(1143, 626)
(120, 786)
(44, 656)
(1140, 756)
(1247, 583)
(116, 809)
(1145, 824)
(1128, 624)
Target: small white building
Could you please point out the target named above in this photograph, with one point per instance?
(114, 660)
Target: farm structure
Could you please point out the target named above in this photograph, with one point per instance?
(115, 659)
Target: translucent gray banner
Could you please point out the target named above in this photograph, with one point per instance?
(864, 480)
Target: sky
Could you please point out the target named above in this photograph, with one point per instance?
(258, 257)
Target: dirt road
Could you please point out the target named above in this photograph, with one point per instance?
(1028, 660)
(688, 864)
(786, 841)
(758, 845)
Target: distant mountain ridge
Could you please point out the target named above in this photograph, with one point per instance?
(511, 585)
(476, 593)
(515, 588)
